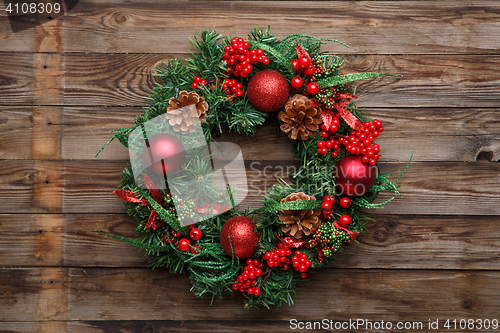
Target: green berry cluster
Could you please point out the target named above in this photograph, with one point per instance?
(329, 239)
(324, 70)
(327, 96)
(185, 210)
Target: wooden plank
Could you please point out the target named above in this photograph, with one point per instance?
(388, 295)
(464, 134)
(394, 295)
(427, 81)
(369, 27)
(459, 187)
(209, 326)
(447, 188)
(395, 146)
(123, 79)
(392, 241)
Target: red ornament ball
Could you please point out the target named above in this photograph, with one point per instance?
(164, 155)
(268, 90)
(243, 237)
(353, 177)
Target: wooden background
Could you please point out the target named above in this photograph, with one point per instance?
(66, 84)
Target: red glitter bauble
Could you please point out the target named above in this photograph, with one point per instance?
(165, 154)
(268, 90)
(243, 237)
(353, 177)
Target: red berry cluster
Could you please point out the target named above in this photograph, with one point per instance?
(361, 142)
(303, 65)
(334, 126)
(278, 257)
(184, 244)
(198, 82)
(230, 87)
(233, 88)
(358, 142)
(247, 279)
(327, 206)
(239, 59)
(324, 146)
(300, 263)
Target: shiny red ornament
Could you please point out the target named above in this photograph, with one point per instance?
(353, 177)
(164, 154)
(244, 239)
(268, 90)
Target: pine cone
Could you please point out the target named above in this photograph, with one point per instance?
(299, 223)
(182, 121)
(300, 118)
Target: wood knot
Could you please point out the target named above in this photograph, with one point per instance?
(380, 236)
(466, 304)
(390, 226)
(148, 329)
(121, 18)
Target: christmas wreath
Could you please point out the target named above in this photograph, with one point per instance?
(189, 222)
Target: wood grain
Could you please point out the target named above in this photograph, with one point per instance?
(97, 293)
(369, 27)
(71, 240)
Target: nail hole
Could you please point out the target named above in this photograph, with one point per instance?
(44, 66)
(485, 156)
(40, 231)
